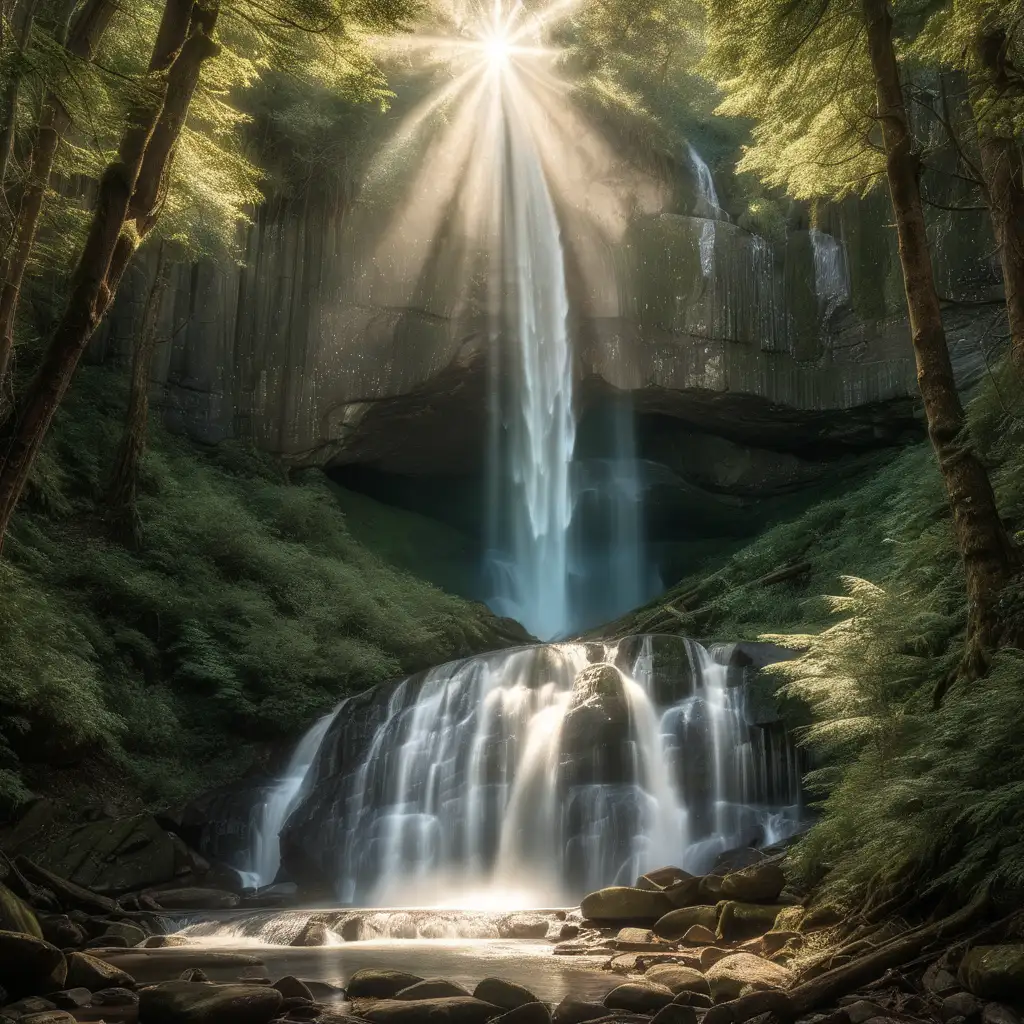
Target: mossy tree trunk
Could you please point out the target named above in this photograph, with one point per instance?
(1002, 166)
(989, 557)
(126, 209)
(121, 492)
(88, 30)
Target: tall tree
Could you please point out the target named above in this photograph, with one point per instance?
(823, 80)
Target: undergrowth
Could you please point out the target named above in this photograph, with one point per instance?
(249, 610)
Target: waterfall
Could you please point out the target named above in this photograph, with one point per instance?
(544, 772)
(711, 210)
(281, 800)
(831, 277)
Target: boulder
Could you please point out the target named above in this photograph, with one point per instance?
(449, 1010)
(738, 921)
(638, 997)
(195, 899)
(131, 933)
(110, 857)
(62, 931)
(526, 1013)
(165, 941)
(861, 1010)
(29, 965)
(633, 936)
(291, 988)
(28, 1005)
(662, 878)
(624, 903)
(758, 883)
(523, 926)
(379, 983)
(505, 994)
(711, 955)
(698, 1000)
(431, 988)
(709, 889)
(994, 972)
(677, 978)
(998, 1013)
(961, 1004)
(774, 941)
(196, 975)
(730, 975)
(71, 998)
(676, 1013)
(16, 915)
(184, 1002)
(90, 972)
(676, 923)
(576, 1011)
(48, 1017)
(767, 1005)
(686, 892)
(938, 980)
(115, 997)
(698, 935)
(313, 933)
(595, 733)
(70, 895)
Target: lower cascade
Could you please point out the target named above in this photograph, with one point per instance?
(528, 777)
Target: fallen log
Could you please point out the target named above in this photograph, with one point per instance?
(68, 894)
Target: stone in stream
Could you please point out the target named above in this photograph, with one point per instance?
(698, 935)
(960, 1004)
(626, 904)
(313, 933)
(165, 941)
(576, 1011)
(711, 955)
(686, 892)
(48, 1017)
(431, 988)
(29, 965)
(85, 971)
(506, 994)
(291, 988)
(638, 998)
(994, 972)
(675, 1013)
(184, 1002)
(196, 975)
(759, 883)
(29, 1005)
(677, 978)
(523, 926)
(108, 942)
(698, 1000)
(114, 997)
(448, 1010)
(662, 878)
(379, 983)
(526, 1013)
(62, 931)
(730, 975)
(71, 998)
(676, 923)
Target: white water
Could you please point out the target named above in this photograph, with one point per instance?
(281, 801)
(831, 276)
(472, 792)
(709, 195)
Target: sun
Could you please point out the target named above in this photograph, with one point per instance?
(497, 49)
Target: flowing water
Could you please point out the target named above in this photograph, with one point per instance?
(529, 777)
(710, 209)
(831, 277)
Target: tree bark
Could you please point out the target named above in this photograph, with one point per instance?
(989, 557)
(1002, 166)
(88, 31)
(121, 492)
(97, 275)
(22, 35)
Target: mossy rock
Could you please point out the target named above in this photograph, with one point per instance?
(677, 923)
(738, 921)
(16, 915)
(994, 972)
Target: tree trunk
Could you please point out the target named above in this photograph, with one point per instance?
(93, 285)
(988, 555)
(1002, 166)
(120, 497)
(22, 35)
(88, 30)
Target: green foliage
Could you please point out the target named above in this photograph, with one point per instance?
(249, 610)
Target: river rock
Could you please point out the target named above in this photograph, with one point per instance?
(698, 935)
(72, 998)
(938, 980)
(48, 1017)
(195, 899)
(85, 971)
(62, 931)
(624, 903)
(165, 941)
(114, 997)
(686, 892)
(861, 1010)
(28, 1005)
(431, 988)
(675, 1013)
(737, 921)
(523, 926)
(131, 933)
(449, 1010)
(29, 965)
(994, 972)
(379, 983)
(16, 915)
(710, 955)
(185, 1002)
(676, 923)
(758, 883)
(526, 1013)
(730, 975)
(998, 1013)
(313, 933)
(638, 998)
(773, 941)
(960, 1004)
(662, 878)
(677, 978)
(291, 988)
(698, 1000)
(577, 1011)
(506, 994)
(196, 975)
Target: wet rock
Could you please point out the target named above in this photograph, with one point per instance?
(505, 994)
(595, 731)
(998, 1013)
(29, 965)
(698, 935)
(291, 988)
(184, 1002)
(676, 1013)
(758, 883)
(379, 983)
(131, 933)
(663, 878)
(71, 998)
(774, 941)
(108, 942)
(523, 926)
(560, 931)
(313, 933)
(623, 903)
(730, 975)
(638, 998)
(84, 971)
(450, 1010)
(764, 1007)
(634, 936)
(685, 893)
(710, 955)
(16, 915)
(28, 1005)
(114, 997)
(709, 889)
(195, 899)
(165, 941)
(677, 978)
(994, 972)
(738, 921)
(576, 1011)
(861, 1010)
(431, 988)
(62, 931)
(196, 975)
(48, 1017)
(698, 1000)
(676, 923)
(960, 1004)
(526, 1013)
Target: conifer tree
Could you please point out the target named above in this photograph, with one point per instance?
(822, 80)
